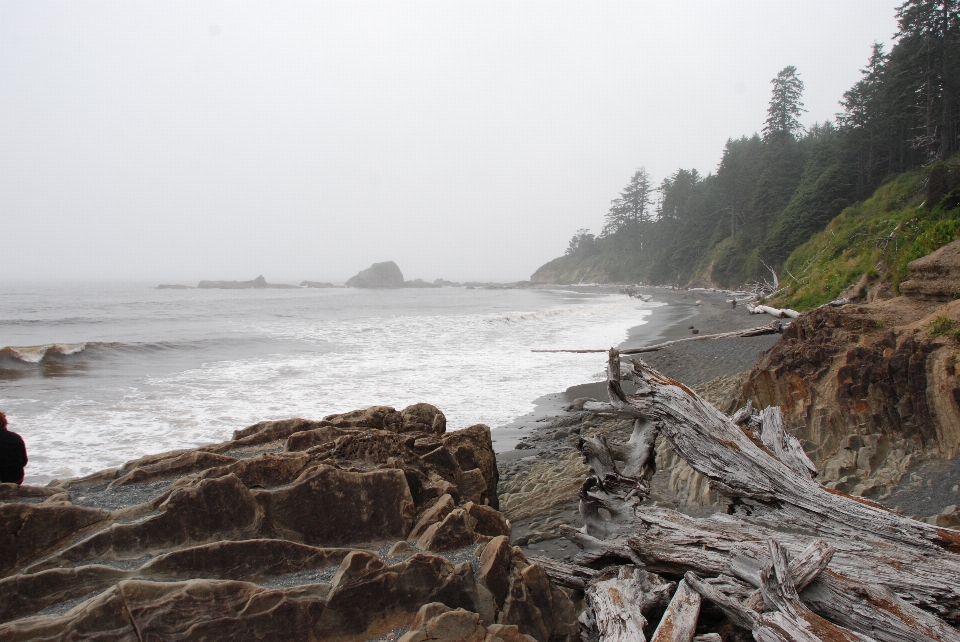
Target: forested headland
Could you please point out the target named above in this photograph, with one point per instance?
(776, 191)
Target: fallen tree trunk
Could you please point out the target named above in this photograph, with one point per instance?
(620, 602)
(679, 623)
(890, 578)
(774, 327)
(788, 619)
(780, 313)
(563, 574)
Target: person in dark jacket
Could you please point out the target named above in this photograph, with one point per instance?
(13, 454)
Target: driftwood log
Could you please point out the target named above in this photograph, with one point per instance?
(858, 572)
(777, 312)
(774, 327)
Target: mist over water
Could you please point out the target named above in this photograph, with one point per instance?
(94, 376)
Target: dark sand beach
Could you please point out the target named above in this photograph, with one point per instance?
(540, 467)
(693, 363)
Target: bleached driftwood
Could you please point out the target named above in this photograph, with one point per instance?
(782, 444)
(780, 313)
(619, 603)
(836, 303)
(774, 327)
(679, 623)
(788, 619)
(564, 574)
(890, 578)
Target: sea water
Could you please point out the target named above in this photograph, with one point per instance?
(93, 376)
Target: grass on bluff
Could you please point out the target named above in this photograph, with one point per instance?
(875, 238)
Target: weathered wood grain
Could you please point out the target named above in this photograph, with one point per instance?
(889, 577)
(679, 622)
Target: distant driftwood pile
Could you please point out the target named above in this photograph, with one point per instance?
(791, 561)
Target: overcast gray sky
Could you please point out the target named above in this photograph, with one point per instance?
(173, 141)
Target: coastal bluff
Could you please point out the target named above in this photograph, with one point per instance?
(358, 525)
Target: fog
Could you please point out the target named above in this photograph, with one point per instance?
(174, 141)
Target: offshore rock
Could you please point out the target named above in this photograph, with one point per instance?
(378, 275)
(257, 283)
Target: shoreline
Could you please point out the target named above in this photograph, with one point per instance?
(692, 363)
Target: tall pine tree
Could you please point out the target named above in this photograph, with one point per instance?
(785, 106)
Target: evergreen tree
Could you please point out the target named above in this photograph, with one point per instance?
(617, 218)
(935, 26)
(785, 105)
(863, 121)
(629, 214)
(638, 197)
(583, 243)
(770, 194)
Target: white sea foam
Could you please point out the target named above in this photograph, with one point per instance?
(477, 367)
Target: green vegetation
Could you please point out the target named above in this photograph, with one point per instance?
(794, 200)
(871, 242)
(939, 326)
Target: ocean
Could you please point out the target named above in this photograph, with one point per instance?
(92, 376)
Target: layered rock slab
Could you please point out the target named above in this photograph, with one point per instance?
(870, 390)
(229, 539)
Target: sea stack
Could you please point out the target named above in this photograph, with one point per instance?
(378, 275)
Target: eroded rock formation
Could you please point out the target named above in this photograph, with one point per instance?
(294, 529)
(869, 390)
(936, 276)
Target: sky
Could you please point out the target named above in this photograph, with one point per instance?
(178, 141)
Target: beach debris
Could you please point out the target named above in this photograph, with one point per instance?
(635, 292)
(890, 578)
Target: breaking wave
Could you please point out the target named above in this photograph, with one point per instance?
(36, 354)
(25, 357)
